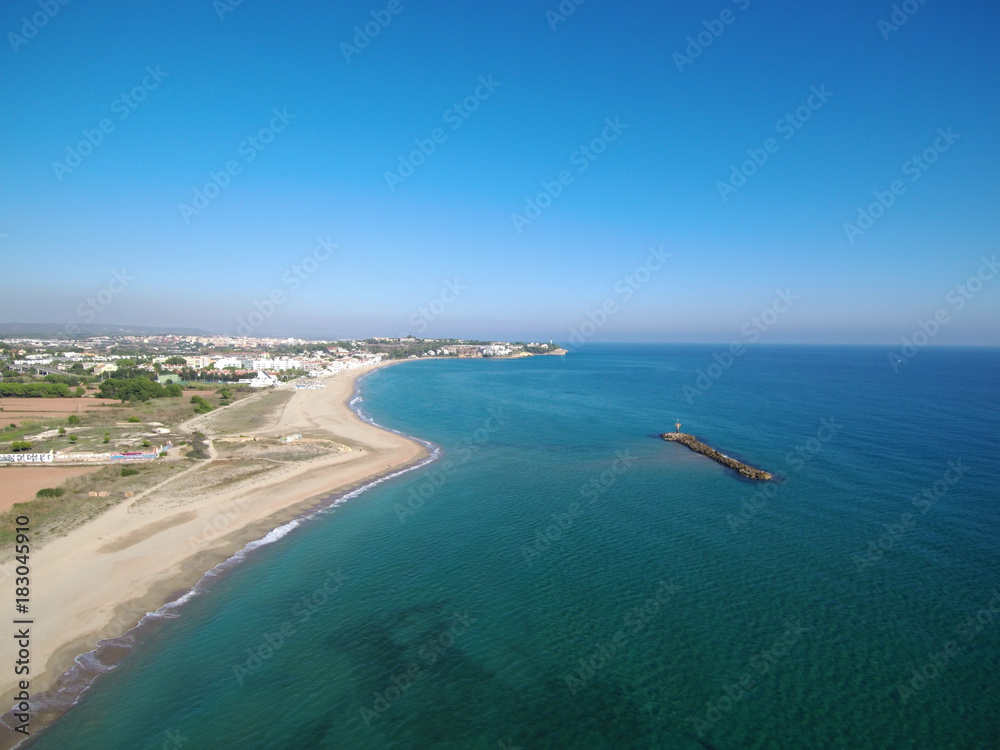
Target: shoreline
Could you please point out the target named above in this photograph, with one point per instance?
(148, 559)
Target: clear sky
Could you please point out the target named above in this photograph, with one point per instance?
(451, 243)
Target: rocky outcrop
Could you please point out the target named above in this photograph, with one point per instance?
(699, 447)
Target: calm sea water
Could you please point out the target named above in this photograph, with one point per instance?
(561, 578)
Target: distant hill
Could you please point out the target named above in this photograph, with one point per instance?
(58, 330)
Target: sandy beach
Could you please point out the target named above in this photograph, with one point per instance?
(101, 578)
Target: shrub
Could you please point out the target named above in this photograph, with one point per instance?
(73, 438)
(35, 390)
(107, 438)
(62, 430)
(145, 443)
(72, 419)
(50, 492)
(20, 445)
(134, 419)
(201, 405)
(132, 389)
(129, 472)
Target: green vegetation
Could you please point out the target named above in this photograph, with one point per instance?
(126, 472)
(34, 390)
(134, 419)
(70, 380)
(132, 389)
(50, 492)
(72, 419)
(175, 361)
(540, 349)
(62, 430)
(73, 438)
(20, 445)
(201, 405)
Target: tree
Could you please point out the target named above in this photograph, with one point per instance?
(72, 419)
(79, 391)
(132, 389)
(175, 361)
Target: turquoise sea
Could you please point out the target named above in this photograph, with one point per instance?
(562, 578)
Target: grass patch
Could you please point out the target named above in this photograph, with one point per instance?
(257, 414)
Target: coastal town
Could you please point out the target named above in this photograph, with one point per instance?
(227, 359)
(55, 393)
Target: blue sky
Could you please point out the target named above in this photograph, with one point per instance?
(439, 252)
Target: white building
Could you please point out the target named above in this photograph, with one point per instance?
(260, 380)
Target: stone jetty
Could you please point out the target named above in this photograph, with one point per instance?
(699, 447)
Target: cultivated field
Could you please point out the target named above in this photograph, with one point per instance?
(20, 483)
